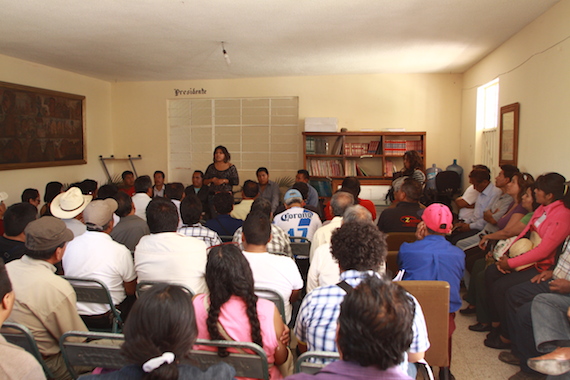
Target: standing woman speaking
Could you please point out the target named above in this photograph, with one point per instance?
(221, 175)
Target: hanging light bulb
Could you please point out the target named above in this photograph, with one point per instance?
(226, 56)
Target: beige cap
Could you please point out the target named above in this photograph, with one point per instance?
(100, 212)
(46, 233)
(69, 204)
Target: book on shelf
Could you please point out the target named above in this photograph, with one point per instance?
(355, 149)
(399, 147)
(310, 145)
(337, 147)
(325, 168)
(373, 147)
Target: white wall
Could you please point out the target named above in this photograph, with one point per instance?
(534, 70)
(416, 102)
(98, 125)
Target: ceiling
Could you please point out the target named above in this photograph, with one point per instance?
(151, 40)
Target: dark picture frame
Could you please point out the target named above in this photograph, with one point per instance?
(40, 127)
(509, 134)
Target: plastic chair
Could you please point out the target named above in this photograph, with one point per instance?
(308, 362)
(145, 285)
(90, 290)
(275, 297)
(21, 336)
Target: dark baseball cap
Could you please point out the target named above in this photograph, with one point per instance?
(46, 233)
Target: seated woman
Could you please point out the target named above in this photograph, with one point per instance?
(476, 294)
(413, 166)
(232, 311)
(159, 334)
(550, 223)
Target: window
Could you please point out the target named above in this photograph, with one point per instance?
(487, 119)
(256, 131)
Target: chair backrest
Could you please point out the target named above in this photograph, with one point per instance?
(252, 365)
(275, 297)
(305, 362)
(21, 336)
(78, 349)
(91, 290)
(433, 297)
(392, 262)
(226, 238)
(395, 239)
(300, 246)
(146, 285)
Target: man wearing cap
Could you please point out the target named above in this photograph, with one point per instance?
(45, 302)
(296, 220)
(68, 207)
(433, 258)
(95, 255)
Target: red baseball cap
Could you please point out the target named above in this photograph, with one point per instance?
(438, 218)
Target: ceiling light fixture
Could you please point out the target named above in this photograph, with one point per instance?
(226, 56)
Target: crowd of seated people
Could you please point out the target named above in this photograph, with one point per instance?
(160, 234)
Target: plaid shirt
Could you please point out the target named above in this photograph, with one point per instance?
(198, 231)
(562, 269)
(318, 315)
(279, 243)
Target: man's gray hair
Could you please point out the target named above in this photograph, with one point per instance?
(293, 200)
(340, 201)
(357, 213)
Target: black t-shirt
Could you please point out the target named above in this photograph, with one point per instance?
(402, 218)
(11, 249)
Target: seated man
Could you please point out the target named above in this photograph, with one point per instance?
(45, 303)
(313, 197)
(69, 207)
(31, 196)
(95, 255)
(296, 220)
(280, 243)
(352, 185)
(130, 228)
(432, 258)
(360, 250)
(223, 224)
(167, 256)
(175, 192)
(16, 362)
(267, 188)
(158, 188)
(466, 202)
(128, 183)
(372, 343)
(275, 272)
(324, 268)
(249, 192)
(403, 217)
(200, 190)
(340, 201)
(303, 188)
(143, 188)
(191, 211)
(16, 219)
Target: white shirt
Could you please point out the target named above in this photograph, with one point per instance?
(141, 200)
(297, 221)
(95, 255)
(279, 273)
(323, 235)
(241, 210)
(470, 196)
(174, 258)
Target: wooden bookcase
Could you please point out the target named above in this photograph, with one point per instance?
(372, 157)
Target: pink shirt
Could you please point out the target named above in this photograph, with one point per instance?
(552, 223)
(233, 318)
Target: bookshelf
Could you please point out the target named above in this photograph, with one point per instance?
(372, 157)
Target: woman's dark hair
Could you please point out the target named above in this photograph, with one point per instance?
(375, 324)
(358, 245)
(228, 274)
(415, 161)
(553, 183)
(227, 156)
(162, 320)
(30, 194)
(524, 180)
(52, 191)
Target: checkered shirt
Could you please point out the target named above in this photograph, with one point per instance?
(562, 269)
(279, 243)
(209, 237)
(318, 315)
